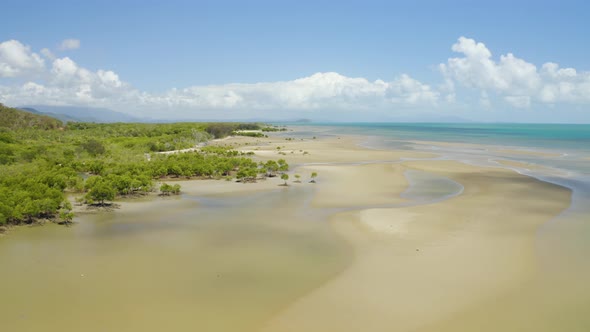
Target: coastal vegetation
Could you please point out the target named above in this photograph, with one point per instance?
(43, 159)
(285, 177)
(167, 189)
(273, 128)
(249, 133)
(313, 176)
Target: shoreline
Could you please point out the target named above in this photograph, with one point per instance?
(405, 253)
(377, 158)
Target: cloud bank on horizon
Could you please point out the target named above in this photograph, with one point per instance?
(29, 78)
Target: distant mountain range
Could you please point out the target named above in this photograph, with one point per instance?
(81, 114)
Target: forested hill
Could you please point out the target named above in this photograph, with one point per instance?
(15, 119)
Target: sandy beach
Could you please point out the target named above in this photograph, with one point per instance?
(382, 260)
(416, 265)
(419, 265)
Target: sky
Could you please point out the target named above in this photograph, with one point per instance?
(500, 61)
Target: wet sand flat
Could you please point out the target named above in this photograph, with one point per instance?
(348, 253)
(449, 255)
(346, 186)
(518, 164)
(342, 149)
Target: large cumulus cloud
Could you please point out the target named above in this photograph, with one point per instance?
(17, 60)
(517, 81)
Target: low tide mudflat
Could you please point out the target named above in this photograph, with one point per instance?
(353, 252)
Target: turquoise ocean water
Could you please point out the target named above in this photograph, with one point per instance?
(550, 136)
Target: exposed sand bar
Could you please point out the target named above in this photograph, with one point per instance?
(360, 185)
(419, 265)
(343, 149)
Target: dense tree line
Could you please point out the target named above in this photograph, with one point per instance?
(219, 130)
(273, 128)
(41, 161)
(33, 191)
(249, 134)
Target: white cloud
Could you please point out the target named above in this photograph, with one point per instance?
(17, 60)
(69, 44)
(67, 83)
(508, 79)
(65, 70)
(406, 90)
(564, 85)
(72, 85)
(318, 91)
(48, 54)
(518, 82)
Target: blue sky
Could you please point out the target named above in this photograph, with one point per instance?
(180, 58)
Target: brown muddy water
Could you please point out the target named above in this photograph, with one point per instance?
(185, 264)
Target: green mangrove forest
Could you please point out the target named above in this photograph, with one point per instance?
(43, 159)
